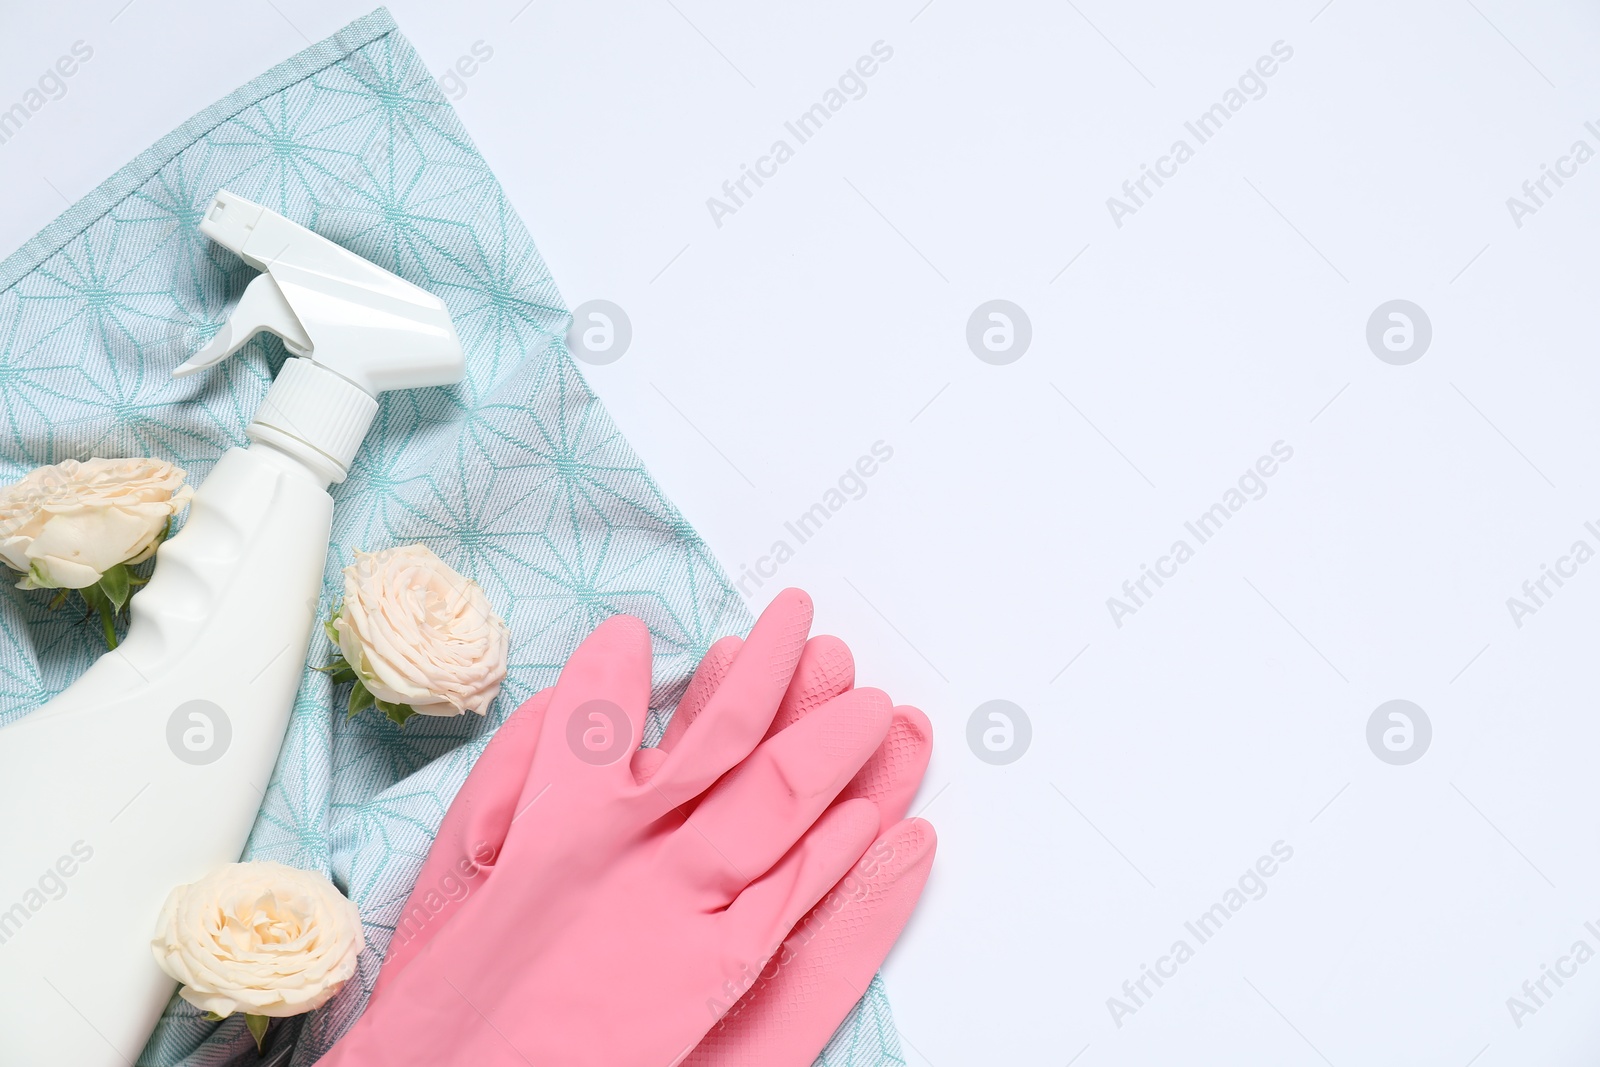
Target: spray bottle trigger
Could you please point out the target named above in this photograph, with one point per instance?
(261, 307)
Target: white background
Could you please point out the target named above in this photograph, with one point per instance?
(1229, 313)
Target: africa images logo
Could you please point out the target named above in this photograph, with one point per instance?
(51, 85)
(851, 85)
(50, 885)
(1252, 85)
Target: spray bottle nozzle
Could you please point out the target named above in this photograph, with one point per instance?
(358, 330)
(229, 220)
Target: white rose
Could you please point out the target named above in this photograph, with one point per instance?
(260, 938)
(418, 633)
(65, 525)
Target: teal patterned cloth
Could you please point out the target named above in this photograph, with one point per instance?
(517, 477)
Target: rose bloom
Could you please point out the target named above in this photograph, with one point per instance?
(260, 938)
(418, 633)
(65, 525)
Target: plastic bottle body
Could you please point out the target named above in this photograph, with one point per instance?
(148, 772)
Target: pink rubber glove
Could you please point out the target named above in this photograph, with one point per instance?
(822, 970)
(614, 923)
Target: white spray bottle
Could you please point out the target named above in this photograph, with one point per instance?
(148, 771)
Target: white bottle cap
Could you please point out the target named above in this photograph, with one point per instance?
(315, 414)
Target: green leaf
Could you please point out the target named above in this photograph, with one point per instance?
(258, 1029)
(329, 628)
(114, 583)
(361, 699)
(399, 713)
(93, 596)
(339, 671)
(96, 598)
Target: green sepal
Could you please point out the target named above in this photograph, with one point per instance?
(258, 1029)
(213, 1017)
(60, 598)
(328, 626)
(399, 713)
(361, 699)
(93, 596)
(97, 599)
(339, 671)
(114, 584)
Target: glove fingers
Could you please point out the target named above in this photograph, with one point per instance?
(597, 713)
(826, 669)
(746, 823)
(470, 836)
(707, 678)
(763, 915)
(891, 778)
(822, 970)
(738, 715)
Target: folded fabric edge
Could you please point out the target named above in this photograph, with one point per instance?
(95, 204)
